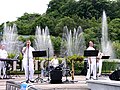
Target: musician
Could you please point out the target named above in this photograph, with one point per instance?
(54, 62)
(27, 55)
(4, 55)
(42, 68)
(99, 63)
(92, 63)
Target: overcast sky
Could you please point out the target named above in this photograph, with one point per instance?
(11, 9)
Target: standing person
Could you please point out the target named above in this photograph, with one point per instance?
(0, 61)
(54, 62)
(28, 62)
(42, 68)
(91, 62)
(99, 62)
(4, 55)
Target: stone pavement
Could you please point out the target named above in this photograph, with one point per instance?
(79, 83)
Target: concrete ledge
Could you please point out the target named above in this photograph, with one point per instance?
(103, 84)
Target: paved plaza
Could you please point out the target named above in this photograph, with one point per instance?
(78, 84)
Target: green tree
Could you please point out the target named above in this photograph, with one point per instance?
(114, 29)
(66, 21)
(25, 24)
(116, 46)
(46, 21)
(56, 43)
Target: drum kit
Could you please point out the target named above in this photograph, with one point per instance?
(47, 70)
(55, 73)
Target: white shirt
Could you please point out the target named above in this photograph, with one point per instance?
(54, 62)
(3, 54)
(26, 52)
(90, 48)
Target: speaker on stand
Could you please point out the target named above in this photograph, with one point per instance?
(56, 75)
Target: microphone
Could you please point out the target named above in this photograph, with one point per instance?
(28, 45)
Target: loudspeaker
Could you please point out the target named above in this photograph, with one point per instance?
(56, 76)
(115, 75)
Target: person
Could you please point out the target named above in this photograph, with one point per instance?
(91, 62)
(99, 63)
(4, 55)
(42, 68)
(28, 62)
(54, 62)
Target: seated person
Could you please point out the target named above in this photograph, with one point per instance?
(54, 62)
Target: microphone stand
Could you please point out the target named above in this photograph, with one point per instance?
(48, 66)
(66, 69)
(28, 62)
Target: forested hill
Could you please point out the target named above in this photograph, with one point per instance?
(72, 13)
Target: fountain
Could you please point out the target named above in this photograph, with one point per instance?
(106, 44)
(10, 38)
(43, 41)
(72, 43)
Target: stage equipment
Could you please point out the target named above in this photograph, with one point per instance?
(115, 75)
(67, 69)
(15, 72)
(66, 81)
(28, 45)
(6, 63)
(105, 57)
(90, 53)
(56, 75)
(86, 66)
(39, 54)
(49, 68)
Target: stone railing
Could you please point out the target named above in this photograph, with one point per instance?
(11, 85)
(15, 65)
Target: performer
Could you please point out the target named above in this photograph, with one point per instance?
(54, 62)
(42, 68)
(27, 55)
(4, 55)
(92, 63)
(99, 63)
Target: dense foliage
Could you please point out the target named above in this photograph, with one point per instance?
(71, 13)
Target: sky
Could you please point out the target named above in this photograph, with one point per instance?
(10, 10)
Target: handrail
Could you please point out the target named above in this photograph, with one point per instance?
(11, 85)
